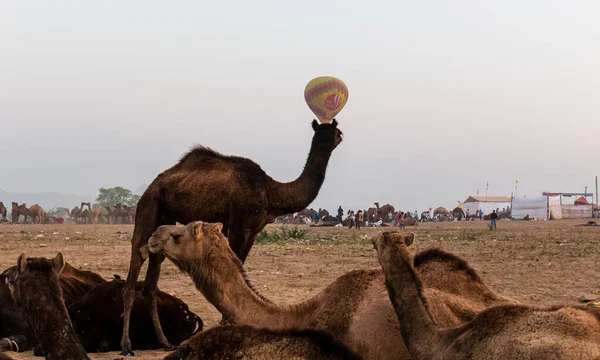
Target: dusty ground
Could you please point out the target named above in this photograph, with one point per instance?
(538, 262)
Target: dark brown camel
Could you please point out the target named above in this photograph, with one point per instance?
(229, 189)
(97, 319)
(75, 213)
(246, 342)
(14, 329)
(36, 289)
(3, 210)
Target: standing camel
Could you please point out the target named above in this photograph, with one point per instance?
(36, 212)
(75, 213)
(499, 332)
(18, 210)
(229, 189)
(3, 210)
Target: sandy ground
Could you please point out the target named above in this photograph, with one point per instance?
(537, 262)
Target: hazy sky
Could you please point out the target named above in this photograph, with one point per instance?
(444, 95)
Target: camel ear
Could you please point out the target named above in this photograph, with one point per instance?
(334, 123)
(218, 227)
(315, 125)
(58, 263)
(22, 263)
(197, 229)
(409, 239)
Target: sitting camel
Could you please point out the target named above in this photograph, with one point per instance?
(235, 342)
(36, 289)
(355, 308)
(499, 332)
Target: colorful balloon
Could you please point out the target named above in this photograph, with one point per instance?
(326, 97)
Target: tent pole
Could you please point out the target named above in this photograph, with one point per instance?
(596, 190)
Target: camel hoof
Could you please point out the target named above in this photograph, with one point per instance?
(127, 352)
(170, 347)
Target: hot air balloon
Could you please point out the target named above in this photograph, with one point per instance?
(326, 97)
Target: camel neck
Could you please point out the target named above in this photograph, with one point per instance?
(291, 197)
(227, 289)
(405, 290)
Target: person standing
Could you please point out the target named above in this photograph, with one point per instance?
(350, 219)
(396, 218)
(340, 214)
(416, 214)
(359, 219)
(467, 214)
(401, 221)
(493, 217)
(480, 214)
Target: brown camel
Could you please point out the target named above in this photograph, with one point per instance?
(246, 342)
(18, 210)
(36, 212)
(458, 213)
(3, 210)
(442, 211)
(213, 187)
(35, 287)
(499, 332)
(97, 213)
(382, 212)
(355, 308)
(75, 213)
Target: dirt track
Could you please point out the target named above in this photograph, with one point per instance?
(538, 262)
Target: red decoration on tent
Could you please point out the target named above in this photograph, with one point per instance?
(581, 201)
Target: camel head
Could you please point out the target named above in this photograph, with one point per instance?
(386, 242)
(195, 241)
(327, 134)
(33, 273)
(15, 205)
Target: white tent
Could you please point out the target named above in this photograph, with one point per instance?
(486, 203)
(534, 207)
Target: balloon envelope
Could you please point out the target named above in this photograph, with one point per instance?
(326, 97)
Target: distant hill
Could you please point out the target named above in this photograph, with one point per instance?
(140, 189)
(45, 200)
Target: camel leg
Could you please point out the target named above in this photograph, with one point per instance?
(149, 293)
(248, 245)
(238, 239)
(129, 296)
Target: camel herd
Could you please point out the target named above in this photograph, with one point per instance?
(431, 305)
(94, 214)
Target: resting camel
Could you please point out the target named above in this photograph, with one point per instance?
(237, 342)
(213, 187)
(355, 308)
(14, 331)
(500, 332)
(96, 318)
(36, 289)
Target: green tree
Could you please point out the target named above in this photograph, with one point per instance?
(133, 200)
(117, 195)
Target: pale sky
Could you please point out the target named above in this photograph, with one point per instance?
(444, 95)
